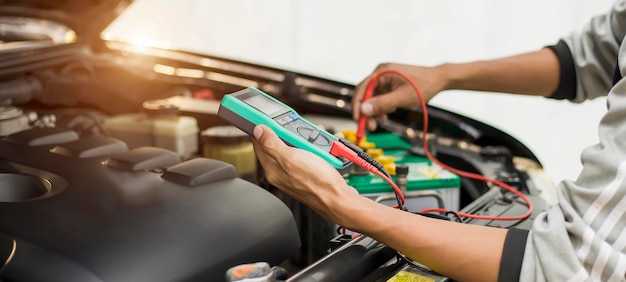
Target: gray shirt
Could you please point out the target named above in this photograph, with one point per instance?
(583, 237)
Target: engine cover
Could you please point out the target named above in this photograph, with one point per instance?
(89, 209)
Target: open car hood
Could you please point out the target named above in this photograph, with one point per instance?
(33, 23)
(85, 205)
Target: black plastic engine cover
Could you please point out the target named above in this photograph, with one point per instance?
(89, 209)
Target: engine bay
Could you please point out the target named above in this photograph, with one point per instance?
(112, 168)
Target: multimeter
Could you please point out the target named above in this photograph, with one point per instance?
(248, 107)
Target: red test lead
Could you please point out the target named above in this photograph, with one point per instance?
(361, 132)
(340, 150)
(369, 91)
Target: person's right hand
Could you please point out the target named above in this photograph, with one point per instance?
(393, 91)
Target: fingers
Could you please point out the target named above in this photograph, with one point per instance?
(261, 154)
(387, 103)
(393, 93)
(357, 99)
(269, 141)
(268, 146)
(372, 123)
(359, 91)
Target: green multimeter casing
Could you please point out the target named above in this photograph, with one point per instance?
(248, 107)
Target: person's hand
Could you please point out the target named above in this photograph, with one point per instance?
(299, 173)
(393, 91)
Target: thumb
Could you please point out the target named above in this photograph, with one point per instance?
(378, 105)
(269, 141)
(387, 103)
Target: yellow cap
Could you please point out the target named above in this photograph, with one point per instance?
(350, 135)
(366, 145)
(348, 132)
(384, 160)
(374, 152)
(390, 168)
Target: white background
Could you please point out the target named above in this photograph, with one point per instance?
(345, 40)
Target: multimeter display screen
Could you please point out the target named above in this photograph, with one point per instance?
(264, 105)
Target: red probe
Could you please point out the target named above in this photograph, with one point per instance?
(340, 150)
(369, 91)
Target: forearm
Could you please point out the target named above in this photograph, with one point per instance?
(534, 73)
(436, 243)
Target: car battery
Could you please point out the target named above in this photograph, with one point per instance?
(427, 184)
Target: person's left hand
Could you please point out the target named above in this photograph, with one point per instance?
(301, 174)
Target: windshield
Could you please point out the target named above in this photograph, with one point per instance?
(301, 36)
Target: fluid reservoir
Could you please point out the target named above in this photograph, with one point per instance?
(159, 125)
(230, 144)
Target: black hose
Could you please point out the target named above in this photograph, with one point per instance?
(19, 91)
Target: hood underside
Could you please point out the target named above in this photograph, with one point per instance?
(86, 19)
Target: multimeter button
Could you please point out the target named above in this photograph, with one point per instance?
(293, 117)
(313, 136)
(321, 140)
(283, 120)
(304, 132)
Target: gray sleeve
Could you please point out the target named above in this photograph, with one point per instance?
(589, 57)
(583, 237)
